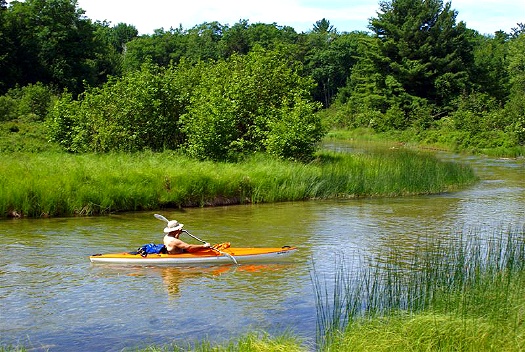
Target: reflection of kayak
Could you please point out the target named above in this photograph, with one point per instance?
(210, 256)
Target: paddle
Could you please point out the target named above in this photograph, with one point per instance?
(214, 249)
(160, 217)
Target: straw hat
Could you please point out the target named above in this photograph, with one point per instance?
(173, 225)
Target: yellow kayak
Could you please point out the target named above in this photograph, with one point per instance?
(209, 256)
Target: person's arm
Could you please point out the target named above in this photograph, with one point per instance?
(190, 248)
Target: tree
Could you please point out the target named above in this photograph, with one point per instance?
(425, 54)
(162, 48)
(51, 43)
(270, 36)
(110, 44)
(323, 27)
(245, 104)
(121, 34)
(6, 50)
(516, 31)
(515, 108)
(235, 39)
(489, 72)
(329, 59)
(202, 41)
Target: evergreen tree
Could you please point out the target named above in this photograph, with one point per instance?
(424, 53)
(323, 26)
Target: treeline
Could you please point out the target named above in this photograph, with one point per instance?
(218, 91)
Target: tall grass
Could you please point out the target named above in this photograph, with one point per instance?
(51, 184)
(251, 342)
(461, 295)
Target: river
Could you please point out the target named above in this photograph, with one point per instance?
(52, 298)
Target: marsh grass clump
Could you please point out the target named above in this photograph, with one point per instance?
(250, 342)
(57, 184)
(466, 294)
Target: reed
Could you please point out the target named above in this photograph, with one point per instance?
(57, 184)
(466, 294)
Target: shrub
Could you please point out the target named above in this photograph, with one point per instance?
(31, 102)
(212, 110)
(248, 104)
(139, 111)
(7, 108)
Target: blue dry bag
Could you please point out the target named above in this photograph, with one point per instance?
(151, 248)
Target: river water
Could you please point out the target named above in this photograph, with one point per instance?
(52, 298)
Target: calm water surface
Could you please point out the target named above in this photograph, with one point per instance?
(52, 298)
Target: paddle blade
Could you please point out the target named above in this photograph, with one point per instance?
(160, 217)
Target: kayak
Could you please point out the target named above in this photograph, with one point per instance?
(229, 255)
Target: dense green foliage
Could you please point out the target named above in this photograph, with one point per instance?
(251, 103)
(139, 111)
(49, 42)
(418, 71)
(424, 73)
(211, 110)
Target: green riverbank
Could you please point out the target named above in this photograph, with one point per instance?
(461, 294)
(59, 184)
(428, 139)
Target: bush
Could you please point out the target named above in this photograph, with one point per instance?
(217, 111)
(31, 102)
(297, 133)
(7, 108)
(244, 104)
(139, 111)
(35, 101)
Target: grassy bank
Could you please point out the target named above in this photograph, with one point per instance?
(451, 141)
(463, 295)
(58, 184)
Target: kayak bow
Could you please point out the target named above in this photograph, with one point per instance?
(210, 256)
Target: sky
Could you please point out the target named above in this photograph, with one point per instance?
(485, 16)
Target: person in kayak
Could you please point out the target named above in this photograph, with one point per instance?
(174, 245)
